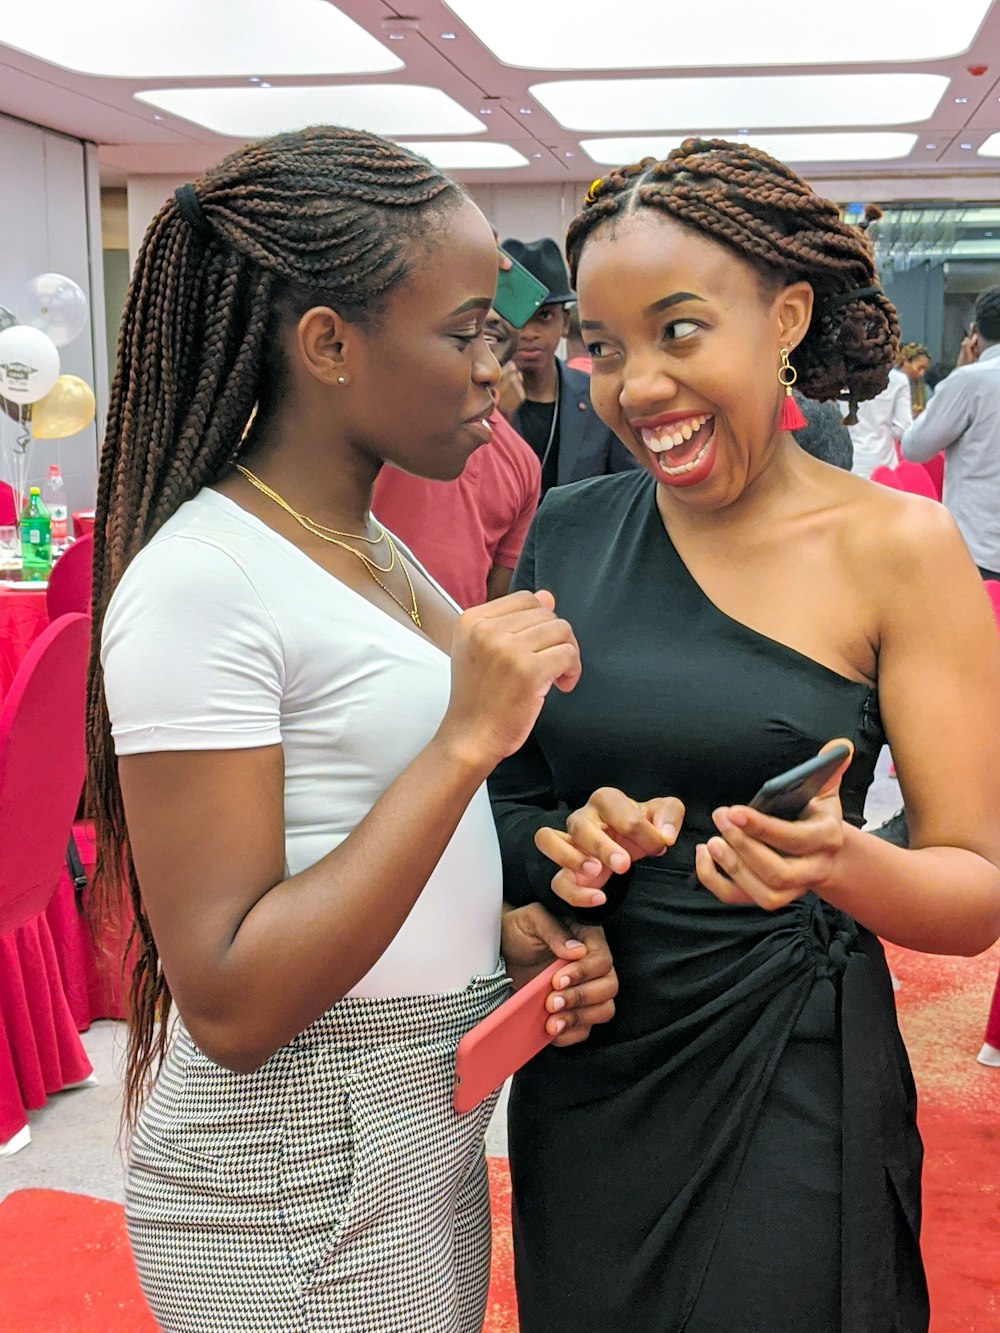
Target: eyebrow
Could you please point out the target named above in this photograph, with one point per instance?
(665, 302)
(473, 303)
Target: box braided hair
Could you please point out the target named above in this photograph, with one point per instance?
(759, 208)
(321, 216)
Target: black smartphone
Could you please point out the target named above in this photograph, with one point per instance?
(787, 795)
(519, 293)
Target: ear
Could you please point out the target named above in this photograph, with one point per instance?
(322, 342)
(793, 307)
(565, 326)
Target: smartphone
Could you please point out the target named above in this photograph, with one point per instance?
(787, 795)
(504, 1041)
(519, 293)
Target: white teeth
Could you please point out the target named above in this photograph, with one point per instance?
(684, 467)
(667, 437)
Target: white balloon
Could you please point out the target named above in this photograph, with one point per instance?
(29, 364)
(55, 304)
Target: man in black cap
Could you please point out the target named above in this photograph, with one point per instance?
(556, 417)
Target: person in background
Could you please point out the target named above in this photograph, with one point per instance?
(914, 361)
(577, 356)
(963, 419)
(737, 1150)
(289, 732)
(468, 533)
(556, 417)
(881, 423)
(824, 435)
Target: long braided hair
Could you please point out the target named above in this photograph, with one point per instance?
(321, 216)
(761, 209)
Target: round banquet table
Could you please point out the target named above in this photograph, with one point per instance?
(22, 618)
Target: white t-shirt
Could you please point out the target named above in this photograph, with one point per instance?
(222, 635)
(881, 422)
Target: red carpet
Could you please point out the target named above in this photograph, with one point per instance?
(65, 1265)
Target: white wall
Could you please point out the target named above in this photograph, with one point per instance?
(50, 223)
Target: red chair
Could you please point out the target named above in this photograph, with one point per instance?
(993, 590)
(8, 506)
(41, 773)
(914, 479)
(885, 476)
(71, 580)
(934, 467)
(83, 522)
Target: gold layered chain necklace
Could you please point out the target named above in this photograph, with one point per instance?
(334, 537)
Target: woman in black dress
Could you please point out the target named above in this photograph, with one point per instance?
(736, 1152)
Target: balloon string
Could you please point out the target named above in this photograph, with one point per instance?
(23, 419)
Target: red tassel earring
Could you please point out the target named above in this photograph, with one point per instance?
(790, 418)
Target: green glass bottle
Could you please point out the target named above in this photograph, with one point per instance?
(36, 538)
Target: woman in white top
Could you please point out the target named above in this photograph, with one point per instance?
(286, 762)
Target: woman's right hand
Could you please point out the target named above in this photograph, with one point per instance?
(603, 838)
(505, 657)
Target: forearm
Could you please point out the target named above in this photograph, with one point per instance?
(933, 899)
(307, 941)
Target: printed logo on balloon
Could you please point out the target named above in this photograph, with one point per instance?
(51, 311)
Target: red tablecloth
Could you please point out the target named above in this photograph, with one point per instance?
(22, 619)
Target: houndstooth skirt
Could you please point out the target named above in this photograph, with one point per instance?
(333, 1189)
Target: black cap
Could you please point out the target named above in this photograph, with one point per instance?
(543, 260)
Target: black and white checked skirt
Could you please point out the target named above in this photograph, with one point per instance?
(333, 1189)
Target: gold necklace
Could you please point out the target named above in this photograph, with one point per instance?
(318, 530)
(263, 487)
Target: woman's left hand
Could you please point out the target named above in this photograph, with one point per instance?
(583, 992)
(770, 862)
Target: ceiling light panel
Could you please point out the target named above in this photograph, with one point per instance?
(880, 146)
(469, 156)
(147, 39)
(990, 147)
(591, 34)
(251, 113)
(609, 105)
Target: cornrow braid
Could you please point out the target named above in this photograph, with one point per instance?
(318, 216)
(762, 210)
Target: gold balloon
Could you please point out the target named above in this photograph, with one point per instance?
(67, 407)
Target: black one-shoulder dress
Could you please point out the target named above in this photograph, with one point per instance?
(736, 1151)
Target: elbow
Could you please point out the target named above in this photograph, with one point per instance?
(233, 1045)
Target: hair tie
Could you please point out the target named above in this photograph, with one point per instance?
(855, 294)
(190, 209)
(591, 193)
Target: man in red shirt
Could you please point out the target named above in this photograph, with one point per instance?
(468, 533)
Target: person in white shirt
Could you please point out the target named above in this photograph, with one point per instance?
(290, 731)
(963, 419)
(881, 422)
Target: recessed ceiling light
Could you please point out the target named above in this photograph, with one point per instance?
(448, 37)
(608, 105)
(486, 111)
(524, 111)
(157, 116)
(464, 156)
(960, 101)
(965, 145)
(878, 146)
(569, 154)
(397, 36)
(536, 154)
(146, 39)
(587, 34)
(392, 108)
(263, 83)
(930, 145)
(254, 78)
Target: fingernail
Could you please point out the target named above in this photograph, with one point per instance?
(738, 817)
(618, 861)
(717, 848)
(557, 1002)
(597, 898)
(668, 831)
(574, 944)
(563, 982)
(721, 820)
(591, 867)
(560, 1026)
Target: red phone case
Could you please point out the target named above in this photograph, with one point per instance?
(504, 1041)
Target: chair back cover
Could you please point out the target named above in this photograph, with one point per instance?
(993, 589)
(914, 478)
(71, 580)
(42, 767)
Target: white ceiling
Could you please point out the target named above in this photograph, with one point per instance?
(465, 99)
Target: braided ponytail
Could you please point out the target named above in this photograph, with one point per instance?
(317, 216)
(740, 197)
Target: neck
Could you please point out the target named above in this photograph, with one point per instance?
(541, 383)
(286, 458)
